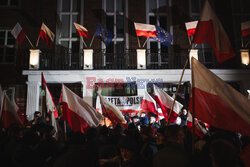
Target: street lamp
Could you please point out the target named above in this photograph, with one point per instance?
(244, 56)
(141, 58)
(34, 58)
(88, 58)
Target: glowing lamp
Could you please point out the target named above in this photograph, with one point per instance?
(34, 58)
(88, 58)
(141, 58)
(244, 56)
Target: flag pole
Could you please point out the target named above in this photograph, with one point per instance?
(193, 108)
(92, 40)
(177, 91)
(138, 42)
(29, 41)
(145, 43)
(37, 40)
(83, 42)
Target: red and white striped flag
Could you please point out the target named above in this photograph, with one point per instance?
(18, 33)
(79, 114)
(217, 103)
(112, 112)
(47, 35)
(191, 27)
(50, 105)
(82, 30)
(19, 112)
(165, 102)
(145, 30)
(9, 114)
(210, 30)
(245, 28)
(148, 104)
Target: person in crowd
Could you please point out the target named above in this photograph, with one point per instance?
(160, 141)
(173, 154)
(152, 122)
(136, 122)
(144, 119)
(149, 147)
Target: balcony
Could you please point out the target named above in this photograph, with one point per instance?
(64, 59)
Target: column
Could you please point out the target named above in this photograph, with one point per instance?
(32, 98)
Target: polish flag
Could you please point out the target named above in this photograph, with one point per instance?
(82, 30)
(209, 30)
(18, 33)
(145, 30)
(148, 104)
(47, 35)
(217, 103)
(50, 105)
(9, 114)
(245, 28)
(79, 114)
(112, 112)
(19, 112)
(191, 27)
(165, 102)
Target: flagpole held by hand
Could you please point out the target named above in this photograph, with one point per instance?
(177, 91)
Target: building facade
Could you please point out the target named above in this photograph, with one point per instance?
(115, 65)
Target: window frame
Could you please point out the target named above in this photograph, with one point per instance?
(158, 15)
(5, 46)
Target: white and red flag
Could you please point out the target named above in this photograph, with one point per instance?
(19, 112)
(217, 103)
(50, 105)
(145, 30)
(191, 27)
(82, 30)
(165, 102)
(79, 114)
(111, 111)
(47, 35)
(210, 30)
(9, 114)
(148, 104)
(18, 33)
(245, 28)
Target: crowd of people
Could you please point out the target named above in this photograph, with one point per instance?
(144, 142)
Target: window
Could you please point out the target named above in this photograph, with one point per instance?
(12, 3)
(115, 22)
(157, 14)
(69, 12)
(7, 51)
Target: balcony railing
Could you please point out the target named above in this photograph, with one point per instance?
(64, 59)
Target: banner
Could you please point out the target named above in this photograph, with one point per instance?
(126, 104)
